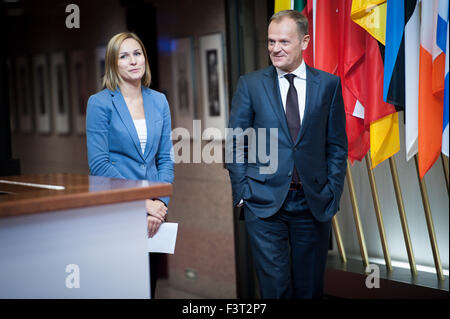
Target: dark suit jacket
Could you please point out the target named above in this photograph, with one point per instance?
(319, 153)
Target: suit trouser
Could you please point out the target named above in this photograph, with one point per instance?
(154, 261)
(289, 250)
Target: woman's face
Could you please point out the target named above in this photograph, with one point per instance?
(131, 63)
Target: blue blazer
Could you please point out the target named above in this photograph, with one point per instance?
(113, 144)
(319, 152)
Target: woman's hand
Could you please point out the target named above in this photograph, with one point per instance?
(153, 224)
(156, 209)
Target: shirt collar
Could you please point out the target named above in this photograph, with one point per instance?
(300, 72)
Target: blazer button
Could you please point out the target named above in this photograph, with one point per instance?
(289, 174)
(142, 166)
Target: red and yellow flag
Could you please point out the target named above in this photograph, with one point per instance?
(379, 115)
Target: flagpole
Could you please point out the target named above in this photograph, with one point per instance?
(445, 166)
(359, 230)
(337, 233)
(376, 204)
(401, 210)
(430, 225)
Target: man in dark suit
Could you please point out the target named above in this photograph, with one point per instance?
(288, 211)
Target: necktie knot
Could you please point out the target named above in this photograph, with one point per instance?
(290, 77)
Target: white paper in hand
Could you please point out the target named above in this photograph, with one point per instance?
(164, 240)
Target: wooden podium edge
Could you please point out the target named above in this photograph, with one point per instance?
(68, 201)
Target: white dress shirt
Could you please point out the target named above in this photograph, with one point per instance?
(141, 129)
(300, 86)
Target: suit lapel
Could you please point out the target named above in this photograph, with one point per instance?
(272, 88)
(312, 89)
(124, 113)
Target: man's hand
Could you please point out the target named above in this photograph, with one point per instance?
(156, 209)
(153, 224)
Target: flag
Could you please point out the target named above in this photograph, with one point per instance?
(412, 52)
(352, 62)
(442, 42)
(326, 29)
(439, 33)
(431, 70)
(371, 16)
(341, 52)
(340, 49)
(399, 14)
(383, 118)
(351, 69)
(380, 116)
(281, 5)
(394, 55)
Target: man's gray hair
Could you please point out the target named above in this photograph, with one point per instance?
(299, 19)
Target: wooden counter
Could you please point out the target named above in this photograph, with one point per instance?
(75, 236)
(75, 191)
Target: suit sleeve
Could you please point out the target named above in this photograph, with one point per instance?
(337, 147)
(98, 117)
(164, 155)
(241, 118)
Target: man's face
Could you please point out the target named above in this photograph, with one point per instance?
(285, 44)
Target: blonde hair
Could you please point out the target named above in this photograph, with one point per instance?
(112, 78)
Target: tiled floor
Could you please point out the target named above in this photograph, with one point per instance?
(165, 291)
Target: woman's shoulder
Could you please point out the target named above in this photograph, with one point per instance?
(158, 96)
(100, 103)
(103, 95)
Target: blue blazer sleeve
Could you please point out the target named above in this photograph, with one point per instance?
(98, 116)
(164, 156)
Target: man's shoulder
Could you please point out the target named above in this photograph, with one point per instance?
(322, 75)
(256, 75)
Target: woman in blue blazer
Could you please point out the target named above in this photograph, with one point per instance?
(128, 127)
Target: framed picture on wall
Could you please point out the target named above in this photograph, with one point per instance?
(41, 89)
(214, 89)
(79, 94)
(11, 96)
(100, 66)
(183, 82)
(60, 93)
(23, 93)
